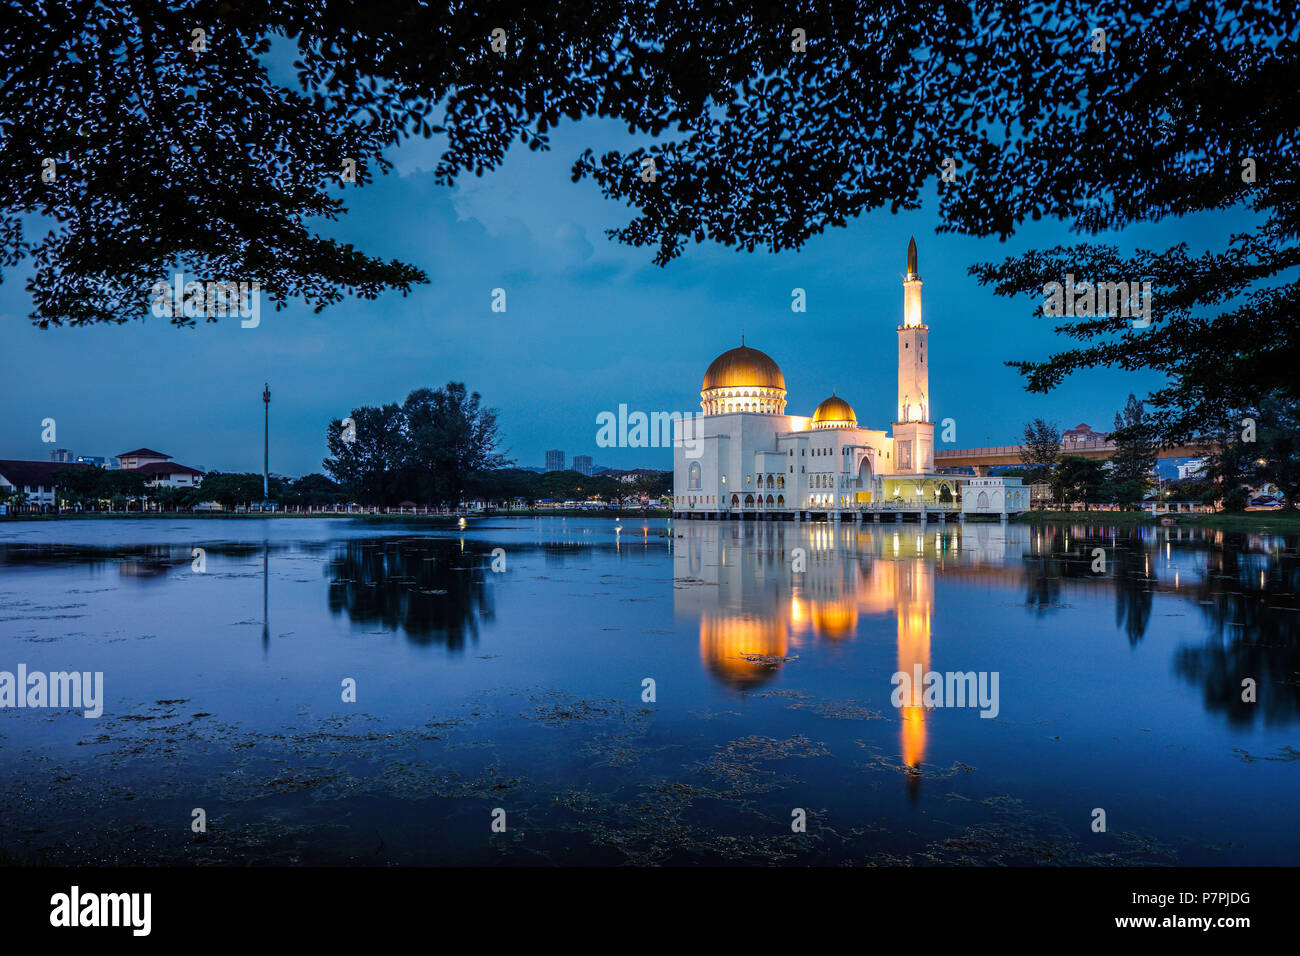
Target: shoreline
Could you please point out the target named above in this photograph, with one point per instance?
(1281, 520)
(204, 515)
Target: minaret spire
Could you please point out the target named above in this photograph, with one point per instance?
(912, 272)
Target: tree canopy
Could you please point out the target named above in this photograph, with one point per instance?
(425, 450)
(1041, 449)
(765, 126)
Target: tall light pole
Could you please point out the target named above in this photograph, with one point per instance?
(266, 445)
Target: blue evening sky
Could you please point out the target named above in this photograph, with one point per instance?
(589, 325)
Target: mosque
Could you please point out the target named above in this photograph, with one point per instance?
(744, 456)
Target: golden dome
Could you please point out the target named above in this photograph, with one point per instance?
(743, 367)
(834, 411)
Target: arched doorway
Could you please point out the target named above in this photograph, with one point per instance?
(864, 474)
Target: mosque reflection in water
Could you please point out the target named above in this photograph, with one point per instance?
(762, 592)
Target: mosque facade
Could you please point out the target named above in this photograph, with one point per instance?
(744, 456)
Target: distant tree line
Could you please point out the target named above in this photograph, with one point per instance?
(96, 488)
(439, 448)
(1124, 480)
(91, 488)
(514, 484)
(1258, 446)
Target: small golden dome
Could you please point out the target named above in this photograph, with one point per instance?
(743, 367)
(834, 411)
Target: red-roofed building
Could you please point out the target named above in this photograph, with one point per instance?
(1082, 432)
(141, 456)
(35, 479)
(162, 471)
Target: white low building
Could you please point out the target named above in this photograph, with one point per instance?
(994, 496)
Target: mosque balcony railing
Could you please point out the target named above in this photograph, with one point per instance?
(915, 504)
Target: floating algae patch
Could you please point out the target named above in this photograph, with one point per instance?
(1018, 836)
(1287, 754)
(656, 828)
(833, 709)
(583, 781)
(738, 763)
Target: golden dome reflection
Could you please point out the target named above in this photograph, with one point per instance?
(835, 619)
(743, 650)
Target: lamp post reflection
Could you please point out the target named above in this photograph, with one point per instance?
(266, 563)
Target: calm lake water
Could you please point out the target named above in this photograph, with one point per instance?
(772, 649)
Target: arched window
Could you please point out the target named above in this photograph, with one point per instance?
(693, 475)
(749, 501)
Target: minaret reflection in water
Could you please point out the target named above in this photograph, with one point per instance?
(756, 608)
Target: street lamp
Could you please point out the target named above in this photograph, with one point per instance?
(266, 445)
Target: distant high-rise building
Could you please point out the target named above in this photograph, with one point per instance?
(555, 460)
(61, 454)
(582, 464)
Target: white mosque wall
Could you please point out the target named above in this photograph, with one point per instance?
(994, 496)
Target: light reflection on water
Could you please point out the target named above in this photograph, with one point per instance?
(1120, 688)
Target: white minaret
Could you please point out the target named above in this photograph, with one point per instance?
(913, 431)
(913, 335)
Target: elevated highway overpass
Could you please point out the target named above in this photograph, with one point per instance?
(982, 459)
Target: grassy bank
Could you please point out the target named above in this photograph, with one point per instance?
(1087, 517)
(1285, 521)
(172, 515)
(1281, 521)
